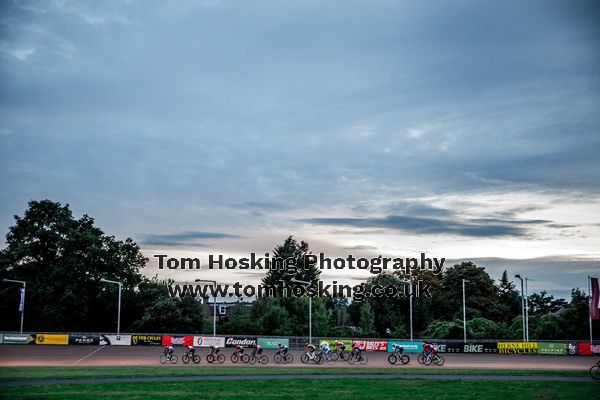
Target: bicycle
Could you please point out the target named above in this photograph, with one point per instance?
(398, 356)
(322, 356)
(309, 355)
(280, 357)
(238, 355)
(358, 357)
(168, 356)
(258, 357)
(595, 371)
(215, 355)
(434, 359)
(190, 356)
(340, 354)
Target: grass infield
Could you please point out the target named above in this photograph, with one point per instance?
(31, 373)
(305, 389)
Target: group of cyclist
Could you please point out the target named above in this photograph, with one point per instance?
(340, 347)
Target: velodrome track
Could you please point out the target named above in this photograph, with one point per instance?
(27, 355)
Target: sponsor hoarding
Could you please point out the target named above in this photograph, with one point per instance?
(572, 349)
(526, 348)
(449, 347)
(372, 345)
(146, 340)
(18, 338)
(409, 347)
(232, 341)
(51, 338)
(584, 349)
(115, 340)
(84, 339)
(331, 343)
(177, 340)
(596, 348)
(558, 349)
(207, 341)
(480, 347)
(272, 343)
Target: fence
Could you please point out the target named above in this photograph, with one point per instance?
(571, 348)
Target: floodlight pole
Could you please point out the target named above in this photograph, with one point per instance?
(119, 306)
(464, 311)
(214, 303)
(309, 307)
(527, 309)
(410, 303)
(22, 299)
(522, 304)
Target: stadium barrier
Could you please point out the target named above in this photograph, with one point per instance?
(566, 348)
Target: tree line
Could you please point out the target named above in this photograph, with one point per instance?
(63, 258)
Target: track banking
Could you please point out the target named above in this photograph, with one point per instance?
(321, 289)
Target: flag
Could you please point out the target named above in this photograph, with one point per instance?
(22, 300)
(594, 314)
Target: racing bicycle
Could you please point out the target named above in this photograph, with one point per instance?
(215, 355)
(286, 358)
(190, 356)
(595, 371)
(398, 356)
(168, 356)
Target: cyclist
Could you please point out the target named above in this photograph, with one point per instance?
(214, 350)
(191, 351)
(356, 349)
(283, 349)
(169, 350)
(428, 348)
(257, 350)
(397, 348)
(239, 349)
(310, 350)
(340, 346)
(326, 350)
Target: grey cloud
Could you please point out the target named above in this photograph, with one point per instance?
(468, 227)
(184, 238)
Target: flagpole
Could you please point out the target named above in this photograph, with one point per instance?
(590, 307)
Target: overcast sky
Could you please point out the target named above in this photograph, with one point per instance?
(465, 129)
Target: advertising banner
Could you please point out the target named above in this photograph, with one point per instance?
(409, 347)
(526, 348)
(51, 338)
(242, 341)
(115, 340)
(573, 350)
(371, 345)
(480, 347)
(84, 339)
(331, 343)
(146, 340)
(596, 348)
(557, 349)
(18, 338)
(177, 340)
(450, 347)
(22, 300)
(1, 338)
(584, 349)
(207, 341)
(272, 343)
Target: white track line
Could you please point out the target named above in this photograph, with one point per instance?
(92, 353)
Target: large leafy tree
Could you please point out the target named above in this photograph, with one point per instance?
(292, 249)
(62, 260)
(481, 293)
